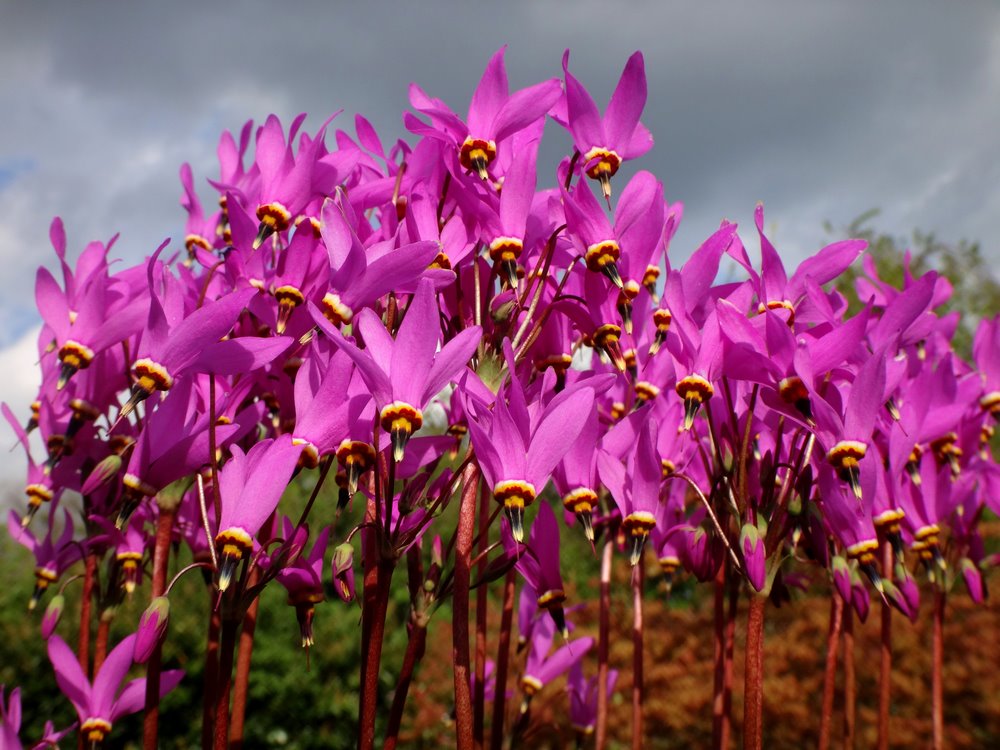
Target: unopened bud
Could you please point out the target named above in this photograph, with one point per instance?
(152, 629)
(754, 556)
(343, 571)
(52, 614)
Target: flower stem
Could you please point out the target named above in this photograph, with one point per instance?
(381, 578)
(479, 699)
(211, 673)
(103, 632)
(503, 661)
(937, 686)
(227, 647)
(243, 659)
(638, 578)
(604, 628)
(850, 686)
(753, 695)
(885, 662)
(460, 608)
(727, 685)
(718, 703)
(415, 648)
(161, 555)
(830, 671)
(83, 643)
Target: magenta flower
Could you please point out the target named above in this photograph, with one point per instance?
(250, 486)
(52, 556)
(540, 566)
(303, 578)
(605, 142)
(101, 704)
(635, 487)
(517, 451)
(406, 372)
(494, 115)
(541, 667)
(583, 693)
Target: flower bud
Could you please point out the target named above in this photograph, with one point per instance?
(842, 577)
(152, 629)
(52, 614)
(343, 571)
(973, 580)
(754, 556)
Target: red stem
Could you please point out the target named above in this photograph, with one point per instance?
(850, 686)
(479, 699)
(243, 659)
(719, 639)
(83, 643)
(503, 661)
(727, 685)
(885, 663)
(753, 695)
(227, 646)
(161, 556)
(103, 632)
(638, 578)
(460, 609)
(604, 626)
(830, 672)
(415, 648)
(211, 673)
(937, 686)
(373, 651)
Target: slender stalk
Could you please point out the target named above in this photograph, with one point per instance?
(83, 643)
(460, 608)
(415, 648)
(373, 653)
(503, 661)
(727, 684)
(211, 673)
(885, 661)
(937, 686)
(753, 694)
(227, 647)
(161, 554)
(850, 687)
(604, 627)
(369, 592)
(830, 671)
(479, 699)
(638, 578)
(242, 686)
(103, 633)
(720, 657)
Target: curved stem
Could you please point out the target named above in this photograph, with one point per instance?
(415, 648)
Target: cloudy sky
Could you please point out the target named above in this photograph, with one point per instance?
(820, 109)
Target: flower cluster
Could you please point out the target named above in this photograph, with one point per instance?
(394, 316)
